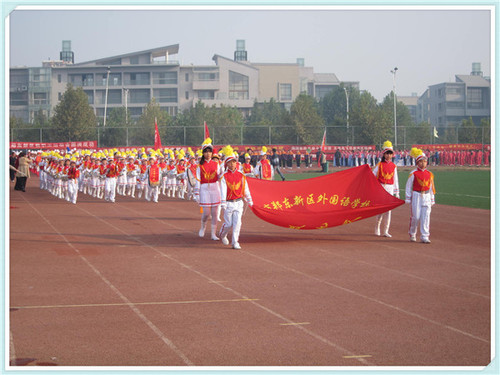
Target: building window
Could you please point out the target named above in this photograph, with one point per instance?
(140, 96)
(134, 60)
(238, 86)
(59, 96)
(187, 95)
(40, 98)
(285, 91)
(206, 94)
(90, 96)
(166, 95)
(474, 98)
(137, 79)
(165, 78)
(59, 78)
(206, 76)
(187, 77)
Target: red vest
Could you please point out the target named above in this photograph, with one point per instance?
(265, 170)
(73, 173)
(386, 172)
(208, 172)
(113, 170)
(247, 168)
(422, 180)
(235, 182)
(154, 175)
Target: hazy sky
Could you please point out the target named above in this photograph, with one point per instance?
(428, 46)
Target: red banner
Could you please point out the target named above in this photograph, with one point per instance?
(206, 132)
(453, 147)
(53, 146)
(157, 137)
(321, 202)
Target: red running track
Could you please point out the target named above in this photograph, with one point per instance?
(132, 284)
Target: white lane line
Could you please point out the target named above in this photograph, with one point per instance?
(353, 292)
(405, 273)
(134, 303)
(150, 324)
(276, 314)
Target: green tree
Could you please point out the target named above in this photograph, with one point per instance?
(403, 117)
(308, 123)
(371, 122)
(469, 132)
(74, 118)
(269, 120)
(144, 133)
(486, 130)
(115, 134)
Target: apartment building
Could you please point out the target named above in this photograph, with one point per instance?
(131, 80)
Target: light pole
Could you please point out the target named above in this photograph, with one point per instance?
(394, 96)
(347, 115)
(106, 99)
(126, 106)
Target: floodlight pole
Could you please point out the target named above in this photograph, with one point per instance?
(106, 100)
(347, 115)
(394, 96)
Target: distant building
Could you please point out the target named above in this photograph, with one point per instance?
(411, 102)
(447, 104)
(131, 80)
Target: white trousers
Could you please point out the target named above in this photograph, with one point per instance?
(383, 221)
(232, 220)
(110, 189)
(73, 190)
(420, 211)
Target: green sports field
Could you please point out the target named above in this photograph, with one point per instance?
(464, 187)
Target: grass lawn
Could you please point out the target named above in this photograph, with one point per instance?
(464, 187)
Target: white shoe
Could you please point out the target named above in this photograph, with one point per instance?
(413, 239)
(236, 246)
(387, 235)
(426, 240)
(377, 231)
(201, 233)
(215, 238)
(225, 241)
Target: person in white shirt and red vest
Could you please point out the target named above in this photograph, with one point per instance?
(386, 173)
(420, 193)
(264, 169)
(207, 190)
(233, 190)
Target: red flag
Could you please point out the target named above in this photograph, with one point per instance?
(321, 202)
(207, 133)
(323, 142)
(157, 137)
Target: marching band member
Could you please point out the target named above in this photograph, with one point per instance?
(420, 195)
(73, 175)
(264, 170)
(121, 182)
(247, 168)
(141, 177)
(171, 173)
(153, 179)
(131, 173)
(110, 181)
(181, 177)
(233, 189)
(103, 169)
(386, 173)
(207, 191)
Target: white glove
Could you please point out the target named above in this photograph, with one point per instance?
(223, 206)
(408, 201)
(250, 203)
